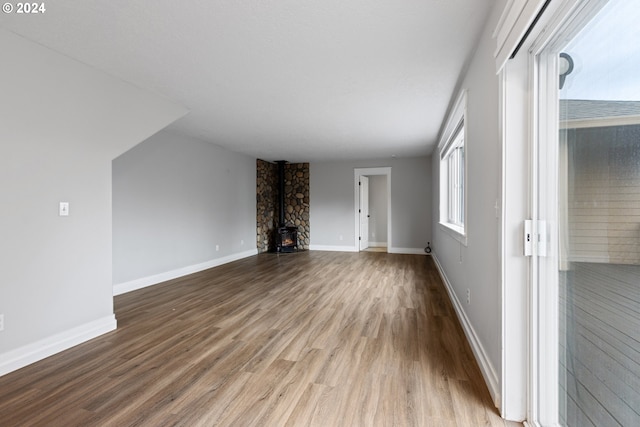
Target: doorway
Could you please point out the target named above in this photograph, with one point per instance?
(372, 205)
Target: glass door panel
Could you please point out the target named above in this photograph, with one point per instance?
(599, 221)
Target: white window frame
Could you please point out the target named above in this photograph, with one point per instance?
(453, 172)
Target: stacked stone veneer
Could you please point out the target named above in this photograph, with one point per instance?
(296, 203)
(296, 200)
(267, 204)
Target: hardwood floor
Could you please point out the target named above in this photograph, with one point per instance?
(303, 339)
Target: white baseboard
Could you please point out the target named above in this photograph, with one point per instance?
(488, 371)
(392, 250)
(332, 248)
(143, 282)
(407, 251)
(31, 353)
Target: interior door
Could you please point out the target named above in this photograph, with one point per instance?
(588, 286)
(364, 212)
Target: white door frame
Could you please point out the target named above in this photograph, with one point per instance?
(357, 173)
(514, 266)
(363, 210)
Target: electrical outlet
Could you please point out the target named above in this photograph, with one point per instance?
(1, 322)
(468, 296)
(241, 242)
(217, 247)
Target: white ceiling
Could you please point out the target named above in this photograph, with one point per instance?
(298, 80)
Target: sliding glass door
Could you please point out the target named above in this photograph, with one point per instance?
(588, 191)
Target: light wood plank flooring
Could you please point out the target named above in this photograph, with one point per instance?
(303, 339)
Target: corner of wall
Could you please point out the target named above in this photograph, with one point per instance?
(41, 349)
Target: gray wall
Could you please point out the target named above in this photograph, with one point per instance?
(477, 266)
(332, 202)
(174, 199)
(378, 209)
(62, 124)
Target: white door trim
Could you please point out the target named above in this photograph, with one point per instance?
(357, 173)
(363, 210)
(514, 265)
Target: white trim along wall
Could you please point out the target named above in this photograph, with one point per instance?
(41, 349)
(486, 367)
(143, 282)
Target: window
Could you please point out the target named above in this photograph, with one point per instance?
(452, 173)
(455, 166)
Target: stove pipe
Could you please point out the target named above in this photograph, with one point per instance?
(281, 164)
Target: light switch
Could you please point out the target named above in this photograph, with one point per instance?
(64, 209)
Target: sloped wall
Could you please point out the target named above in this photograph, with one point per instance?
(62, 124)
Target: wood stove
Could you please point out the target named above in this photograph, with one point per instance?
(286, 239)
